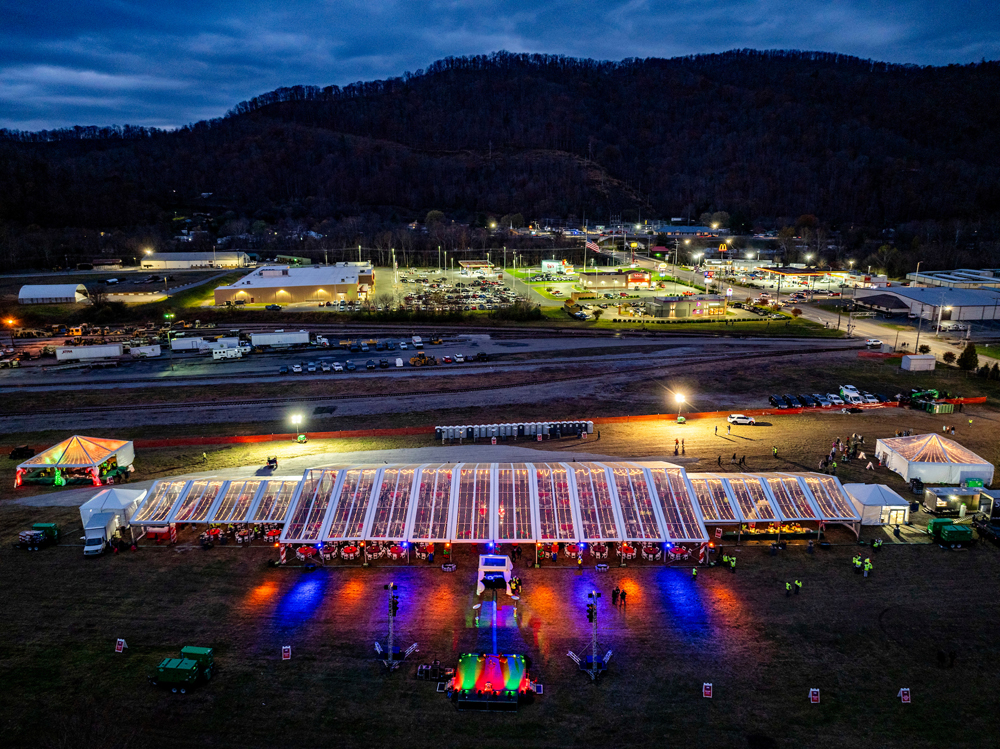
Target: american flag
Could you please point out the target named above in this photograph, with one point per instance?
(593, 246)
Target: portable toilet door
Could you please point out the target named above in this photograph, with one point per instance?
(590, 427)
(520, 430)
(438, 433)
(504, 431)
(544, 426)
(495, 430)
(477, 429)
(470, 433)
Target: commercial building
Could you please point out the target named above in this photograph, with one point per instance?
(681, 307)
(938, 304)
(616, 280)
(283, 284)
(66, 293)
(962, 278)
(188, 260)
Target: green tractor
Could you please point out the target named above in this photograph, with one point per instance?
(181, 674)
(40, 535)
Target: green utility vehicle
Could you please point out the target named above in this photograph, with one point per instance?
(41, 534)
(181, 674)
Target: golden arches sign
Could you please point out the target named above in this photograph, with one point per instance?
(723, 247)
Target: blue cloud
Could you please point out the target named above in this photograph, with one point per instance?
(167, 64)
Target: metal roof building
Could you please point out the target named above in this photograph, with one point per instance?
(284, 284)
(933, 303)
(502, 502)
(65, 293)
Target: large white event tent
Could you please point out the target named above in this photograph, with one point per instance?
(501, 502)
(933, 459)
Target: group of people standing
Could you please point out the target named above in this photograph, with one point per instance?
(618, 596)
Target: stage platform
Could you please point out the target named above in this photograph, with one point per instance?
(491, 682)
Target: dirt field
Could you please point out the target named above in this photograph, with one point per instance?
(857, 640)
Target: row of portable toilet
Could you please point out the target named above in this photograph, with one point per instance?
(530, 430)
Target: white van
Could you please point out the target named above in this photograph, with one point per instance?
(399, 362)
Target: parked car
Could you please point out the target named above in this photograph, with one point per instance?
(777, 401)
(459, 358)
(350, 366)
(791, 400)
(275, 307)
(283, 369)
(338, 367)
(881, 398)
(740, 419)
(869, 398)
(325, 366)
(311, 366)
(383, 363)
(873, 342)
(807, 400)
(402, 346)
(297, 368)
(821, 399)
(370, 364)
(835, 399)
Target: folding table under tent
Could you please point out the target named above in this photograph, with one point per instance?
(878, 504)
(933, 459)
(78, 459)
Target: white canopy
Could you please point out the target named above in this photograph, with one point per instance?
(873, 501)
(933, 459)
(118, 501)
(492, 564)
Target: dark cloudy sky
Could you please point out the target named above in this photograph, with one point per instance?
(171, 62)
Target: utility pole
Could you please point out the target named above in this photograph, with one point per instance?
(393, 608)
(920, 324)
(592, 616)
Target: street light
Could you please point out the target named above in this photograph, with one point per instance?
(679, 397)
(296, 422)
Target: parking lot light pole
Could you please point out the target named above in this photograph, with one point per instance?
(296, 422)
(679, 397)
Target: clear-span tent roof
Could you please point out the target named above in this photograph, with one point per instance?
(214, 500)
(499, 502)
(931, 448)
(81, 452)
(779, 497)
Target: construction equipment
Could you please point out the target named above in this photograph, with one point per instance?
(180, 674)
(422, 360)
(41, 534)
(436, 340)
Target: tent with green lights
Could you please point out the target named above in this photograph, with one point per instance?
(78, 460)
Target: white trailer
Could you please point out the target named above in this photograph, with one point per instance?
(189, 344)
(224, 343)
(280, 338)
(145, 352)
(417, 342)
(227, 353)
(108, 511)
(77, 353)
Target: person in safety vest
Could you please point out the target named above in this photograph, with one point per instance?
(798, 586)
(788, 589)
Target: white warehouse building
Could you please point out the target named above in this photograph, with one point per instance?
(188, 260)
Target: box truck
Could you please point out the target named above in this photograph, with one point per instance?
(79, 353)
(98, 530)
(227, 353)
(417, 342)
(189, 344)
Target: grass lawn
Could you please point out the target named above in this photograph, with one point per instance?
(857, 640)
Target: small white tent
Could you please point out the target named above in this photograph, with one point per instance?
(877, 504)
(493, 565)
(933, 459)
(122, 502)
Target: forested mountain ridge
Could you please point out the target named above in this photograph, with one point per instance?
(762, 135)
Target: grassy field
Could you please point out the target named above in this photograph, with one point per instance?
(858, 640)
